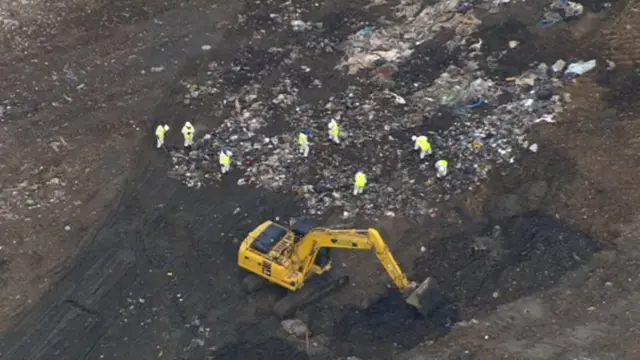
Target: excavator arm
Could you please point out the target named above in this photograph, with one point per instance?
(424, 296)
(368, 239)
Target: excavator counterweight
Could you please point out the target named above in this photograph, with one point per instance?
(299, 259)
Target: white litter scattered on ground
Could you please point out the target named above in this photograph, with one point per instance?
(471, 121)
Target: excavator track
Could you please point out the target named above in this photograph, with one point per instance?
(314, 289)
(253, 283)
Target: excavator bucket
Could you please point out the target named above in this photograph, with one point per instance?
(426, 296)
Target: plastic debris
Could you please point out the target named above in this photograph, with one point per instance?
(560, 10)
(558, 66)
(579, 68)
(572, 9)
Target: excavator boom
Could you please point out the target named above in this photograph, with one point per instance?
(424, 296)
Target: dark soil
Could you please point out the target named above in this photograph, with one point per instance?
(270, 348)
(623, 95)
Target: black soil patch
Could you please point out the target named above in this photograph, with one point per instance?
(439, 121)
(510, 61)
(425, 64)
(531, 253)
(597, 6)
(624, 95)
(476, 273)
(383, 329)
(264, 349)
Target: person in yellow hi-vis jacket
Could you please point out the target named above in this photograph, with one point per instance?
(303, 141)
(225, 160)
(360, 183)
(161, 131)
(441, 168)
(188, 131)
(334, 131)
(422, 143)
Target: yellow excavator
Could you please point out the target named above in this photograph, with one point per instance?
(298, 258)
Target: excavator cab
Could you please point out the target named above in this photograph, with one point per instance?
(301, 228)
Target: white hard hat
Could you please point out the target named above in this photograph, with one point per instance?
(166, 128)
(188, 124)
(414, 138)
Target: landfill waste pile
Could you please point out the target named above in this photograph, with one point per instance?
(560, 10)
(488, 120)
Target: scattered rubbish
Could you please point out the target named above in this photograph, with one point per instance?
(473, 142)
(579, 68)
(366, 31)
(550, 19)
(477, 103)
(610, 66)
(299, 25)
(464, 6)
(70, 75)
(157, 69)
(396, 42)
(558, 66)
(572, 9)
(398, 99)
(206, 47)
(513, 44)
(560, 10)
(545, 118)
(533, 148)
(67, 228)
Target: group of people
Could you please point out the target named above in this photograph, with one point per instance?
(187, 131)
(421, 143)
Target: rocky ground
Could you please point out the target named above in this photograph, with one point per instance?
(114, 249)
